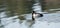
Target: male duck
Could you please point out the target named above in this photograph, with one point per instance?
(34, 15)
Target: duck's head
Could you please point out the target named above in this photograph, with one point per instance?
(34, 12)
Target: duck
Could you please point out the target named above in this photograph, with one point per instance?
(34, 15)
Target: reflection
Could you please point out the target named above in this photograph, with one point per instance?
(21, 17)
(16, 9)
(19, 8)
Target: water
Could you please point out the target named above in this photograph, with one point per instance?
(49, 20)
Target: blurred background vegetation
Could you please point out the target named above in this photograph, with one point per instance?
(50, 4)
(18, 7)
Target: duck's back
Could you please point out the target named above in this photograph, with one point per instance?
(41, 15)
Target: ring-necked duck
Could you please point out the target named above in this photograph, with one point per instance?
(34, 15)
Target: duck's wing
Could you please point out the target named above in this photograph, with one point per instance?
(41, 15)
